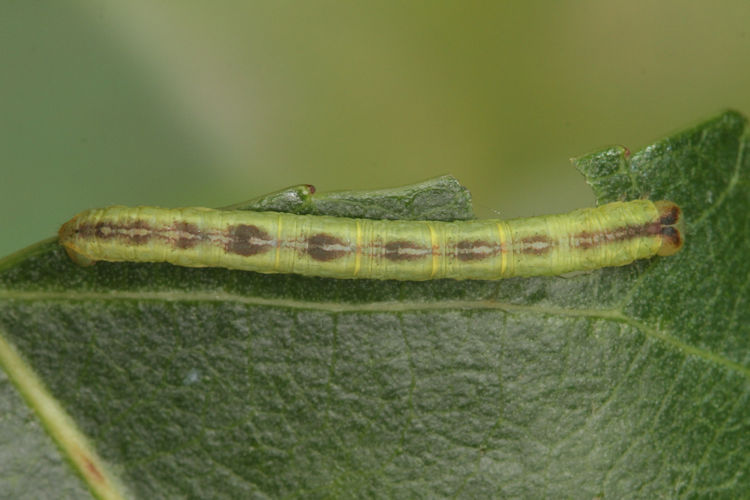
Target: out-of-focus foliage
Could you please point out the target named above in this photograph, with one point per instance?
(209, 103)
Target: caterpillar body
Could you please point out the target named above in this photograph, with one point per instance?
(273, 242)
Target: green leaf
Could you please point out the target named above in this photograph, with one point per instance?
(441, 198)
(624, 382)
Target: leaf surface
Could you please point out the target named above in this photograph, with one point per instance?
(624, 382)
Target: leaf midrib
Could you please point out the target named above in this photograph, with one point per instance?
(611, 314)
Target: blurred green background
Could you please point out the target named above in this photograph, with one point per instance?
(209, 103)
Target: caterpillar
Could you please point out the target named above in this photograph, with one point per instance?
(614, 234)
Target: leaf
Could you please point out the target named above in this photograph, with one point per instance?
(624, 382)
(441, 198)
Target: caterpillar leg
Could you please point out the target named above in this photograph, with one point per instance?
(78, 258)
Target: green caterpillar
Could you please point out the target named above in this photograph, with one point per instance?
(273, 242)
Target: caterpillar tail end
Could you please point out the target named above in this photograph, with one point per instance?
(670, 227)
(66, 237)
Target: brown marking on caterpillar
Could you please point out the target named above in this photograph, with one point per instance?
(137, 232)
(671, 241)
(83, 231)
(188, 235)
(247, 240)
(585, 240)
(95, 230)
(670, 216)
(475, 250)
(590, 239)
(405, 250)
(671, 233)
(537, 245)
(669, 213)
(324, 247)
